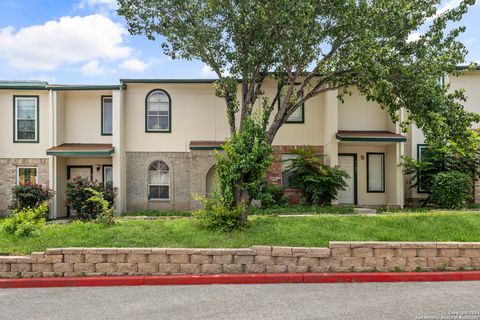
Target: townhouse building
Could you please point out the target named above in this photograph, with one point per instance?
(155, 141)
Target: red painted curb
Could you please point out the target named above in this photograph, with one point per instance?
(241, 279)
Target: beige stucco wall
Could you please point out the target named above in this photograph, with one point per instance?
(470, 81)
(356, 113)
(365, 198)
(82, 117)
(62, 165)
(197, 114)
(8, 149)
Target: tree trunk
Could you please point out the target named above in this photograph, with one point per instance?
(243, 197)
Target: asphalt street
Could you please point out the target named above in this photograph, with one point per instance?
(439, 300)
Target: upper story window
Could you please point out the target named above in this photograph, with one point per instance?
(106, 116)
(25, 119)
(443, 80)
(158, 181)
(298, 116)
(158, 112)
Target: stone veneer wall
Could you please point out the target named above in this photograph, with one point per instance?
(8, 176)
(338, 257)
(188, 175)
(188, 171)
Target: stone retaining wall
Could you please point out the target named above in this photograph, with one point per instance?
(338, 257)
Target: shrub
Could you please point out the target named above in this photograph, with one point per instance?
(272, 196)
(216, 216)
(77, 195)
(319, 182)
(26, 221)
(30, 195)
(451, 189)
(105, 214)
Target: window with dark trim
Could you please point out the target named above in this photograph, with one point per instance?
(25, 119)
(375, 172)
(298, 116)
(107, 175)
(286, 161)
(107, 115)
(27, 176)
(158, 181)
(158, 107)
(423, 183)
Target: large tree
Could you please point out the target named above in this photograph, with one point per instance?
(313, 46)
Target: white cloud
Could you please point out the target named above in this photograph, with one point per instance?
(451, 4)
(93, 68)
(414, 36)
(69, 40)
(110, 4)
(134, 65)
(208, 72)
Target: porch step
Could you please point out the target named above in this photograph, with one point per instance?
(365, 210)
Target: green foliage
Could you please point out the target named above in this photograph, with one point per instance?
(320, 182)
(314, 231)
(30, 195)
(26, 221)
(301, 210)
(272, 196)
(444, 158)
(216, 216)
(242, 166)
(105, 215)
(320, 46)
(78, 194)
(451, 189)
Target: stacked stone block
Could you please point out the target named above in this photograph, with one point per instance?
(338, 257)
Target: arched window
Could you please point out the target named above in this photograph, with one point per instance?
(158, 112)
(158, 181)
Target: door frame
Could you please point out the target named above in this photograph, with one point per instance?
(68, 177)
(355, 172)
(80, 166)
(103, 172)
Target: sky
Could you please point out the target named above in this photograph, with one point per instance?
(85, 42)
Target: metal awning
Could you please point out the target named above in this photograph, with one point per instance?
(81, 149)
(370, 136)
(205, 145)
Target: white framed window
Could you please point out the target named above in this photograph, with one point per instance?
(25, 122)
(443, 80)
(158, 112)
(107, 109)
(27, 176)
(286, 160)
(375, 172)
(158, 181)
(107, 175)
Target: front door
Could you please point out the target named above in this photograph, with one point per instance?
(78, 171)
(347, 163)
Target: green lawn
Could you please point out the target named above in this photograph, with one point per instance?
(302, 231)
(291, 209)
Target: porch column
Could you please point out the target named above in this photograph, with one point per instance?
(52, 139)
(118, 157)
(330, 128)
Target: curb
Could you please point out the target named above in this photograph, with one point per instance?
(107, 281)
